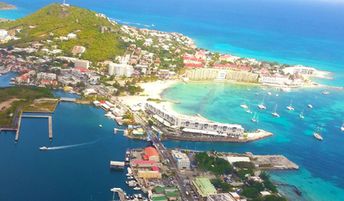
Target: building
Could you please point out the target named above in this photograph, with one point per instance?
(203, 187)
(149, 174)
(79, 63)
(150, 153)
(194, 124)
(234, 159)
(183, 161)
(46, 76)
(120, 70)
(221, 197)
(301, 70)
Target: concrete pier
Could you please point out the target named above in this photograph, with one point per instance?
(50, 123)
(120, 193)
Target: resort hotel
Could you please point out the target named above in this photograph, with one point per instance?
(193, 124)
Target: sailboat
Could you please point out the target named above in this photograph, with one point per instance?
(301, 115)
(255, 118)
(275, 114)
(261, 106)
(290, 106)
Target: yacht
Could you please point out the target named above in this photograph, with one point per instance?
(290, 107)
(342, 128)
(244, 106)
(100, 126)
(318, 136)
(262, 106)
(310, 106)
(44, 148)
(275, 114)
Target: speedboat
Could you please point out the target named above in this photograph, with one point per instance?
(318, 136)
(44, 148)
(310, 106)
(244, 106)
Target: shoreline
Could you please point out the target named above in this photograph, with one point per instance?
(7, 6)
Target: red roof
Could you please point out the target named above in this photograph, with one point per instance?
(155, 168)
(151, 151)
(81, 69)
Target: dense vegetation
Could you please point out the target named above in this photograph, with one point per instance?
(97, 34)
(24, 96)
(216, 165)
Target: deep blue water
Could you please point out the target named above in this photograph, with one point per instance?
(69, 173)
(6, 79)
(288, 31)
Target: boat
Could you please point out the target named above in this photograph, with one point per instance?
(100, 126)
(342, 128)
(255, 118)
(261, 106)
(290, 107)
(44, 148)
(269, 93)
(244, 106)
(318, 136)
(137, 188)
(275, 114)
(301, 115)
(310, 106)
(325, 92)
(249, 111)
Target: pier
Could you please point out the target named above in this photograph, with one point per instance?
(120, 193)
(50, 124)
(117, 164)
(65, 99)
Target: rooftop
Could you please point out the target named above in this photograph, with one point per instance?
(204, 186)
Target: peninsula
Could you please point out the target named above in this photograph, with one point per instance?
(6, 6)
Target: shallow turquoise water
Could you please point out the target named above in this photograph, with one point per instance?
(320, 162)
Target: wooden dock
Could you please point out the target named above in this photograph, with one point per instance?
(50, 124)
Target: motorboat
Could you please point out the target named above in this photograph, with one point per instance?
(317, 136)
(44, 148)
(310, 106)
(100, 126)
(290, 107)
(244, 106)
(262, 106)
(275, 114)
(342, 128)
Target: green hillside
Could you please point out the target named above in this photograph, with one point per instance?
(56, 20)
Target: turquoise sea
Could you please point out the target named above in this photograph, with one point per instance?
(289, 31)
(321, 174)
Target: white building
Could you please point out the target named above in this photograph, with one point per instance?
(120, 70)
(183, 161)
(79, 63)
(46, 76)
(221, 197)
(194, 124)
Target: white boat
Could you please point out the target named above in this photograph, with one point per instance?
(325, 92)
(244, 106)
(342, 128)
(290, 107)
(318, 136)
(249, 111)
(255, 118)
(100, 126)
(137, 188)
(44, 148)
(269, 93)
(301, 115)
(261, 106)
(310, 106)
(275, 114)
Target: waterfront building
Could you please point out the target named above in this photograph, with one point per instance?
(221, 197)
(203, 187)
(183, 161)
(193, 124)
(149, 174)
(150, 153)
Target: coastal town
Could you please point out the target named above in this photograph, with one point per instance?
(128, 88)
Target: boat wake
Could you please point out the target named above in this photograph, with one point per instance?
(68, 146)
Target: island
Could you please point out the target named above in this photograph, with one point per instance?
(6, 6)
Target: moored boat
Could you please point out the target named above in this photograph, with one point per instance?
(275, 114)
(318, 136)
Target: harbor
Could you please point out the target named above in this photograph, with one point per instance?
(48, 117)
